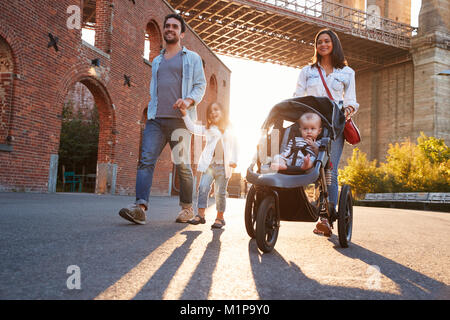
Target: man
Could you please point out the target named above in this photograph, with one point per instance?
(178, 80)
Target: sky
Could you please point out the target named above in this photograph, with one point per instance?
(255, 88)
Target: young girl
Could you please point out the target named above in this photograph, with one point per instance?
(216, 160)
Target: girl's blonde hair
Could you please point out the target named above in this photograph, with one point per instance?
(224, 121)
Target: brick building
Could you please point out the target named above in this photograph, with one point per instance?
(42, 59)
(397, 101)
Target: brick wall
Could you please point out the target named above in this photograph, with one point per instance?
(45, 77)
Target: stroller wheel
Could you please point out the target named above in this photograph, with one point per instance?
(345, 216)
(250, 212)
(267, 225)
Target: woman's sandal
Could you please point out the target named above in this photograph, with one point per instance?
(218, 225)
(200, 220)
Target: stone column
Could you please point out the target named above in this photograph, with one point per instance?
(430, 52)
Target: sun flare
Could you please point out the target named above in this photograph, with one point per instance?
(255, 88)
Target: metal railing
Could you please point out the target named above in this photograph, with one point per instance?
(428, 197)
(349, 20)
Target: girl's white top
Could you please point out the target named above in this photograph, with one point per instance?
(341, 83)
(213, 136)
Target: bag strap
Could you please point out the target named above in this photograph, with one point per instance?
(325, 84)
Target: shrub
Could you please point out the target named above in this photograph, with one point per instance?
(424, 167)
(362, 175)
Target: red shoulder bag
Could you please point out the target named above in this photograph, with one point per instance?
(351, 131)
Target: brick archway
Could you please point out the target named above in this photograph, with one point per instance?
(106, 117)
(153, 34)
(106, 167)
(6, 90)
(16, 49)
(9, 81)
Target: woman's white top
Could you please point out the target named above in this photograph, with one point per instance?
(341, 83)
(214, 136)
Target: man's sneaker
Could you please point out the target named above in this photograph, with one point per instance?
(185, 215)
(133, 213)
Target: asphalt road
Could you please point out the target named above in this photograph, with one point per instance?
(75, 246)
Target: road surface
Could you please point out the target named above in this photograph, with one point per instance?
(75, 246)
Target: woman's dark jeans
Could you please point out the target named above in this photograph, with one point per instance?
(336, 152)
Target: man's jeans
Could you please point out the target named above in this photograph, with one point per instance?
(157, 133)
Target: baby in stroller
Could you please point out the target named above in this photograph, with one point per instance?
(301, 151)
(295, 194)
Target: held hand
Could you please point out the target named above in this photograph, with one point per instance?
(181, 105)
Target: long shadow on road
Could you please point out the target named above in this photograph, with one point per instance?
(158, 283)
(42, 235)
(277, 279)
(200, 282)
(412, 284)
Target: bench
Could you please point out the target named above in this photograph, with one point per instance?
(439, 201)
(435, 197)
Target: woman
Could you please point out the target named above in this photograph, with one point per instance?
(340, 79)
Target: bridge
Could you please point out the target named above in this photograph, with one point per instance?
(282, 31)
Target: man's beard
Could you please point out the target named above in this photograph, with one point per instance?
(174, 40)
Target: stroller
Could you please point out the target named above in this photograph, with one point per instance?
(293, 194)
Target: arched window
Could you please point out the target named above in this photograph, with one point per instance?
(153, 41)
(213, 88)
(6, 90)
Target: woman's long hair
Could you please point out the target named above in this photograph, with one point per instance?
(224, 121)
(337, 55)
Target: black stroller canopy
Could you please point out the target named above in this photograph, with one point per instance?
(292, 110)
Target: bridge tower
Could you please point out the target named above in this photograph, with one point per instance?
(399, 10)
(430, 52)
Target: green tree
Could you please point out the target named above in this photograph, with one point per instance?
(79, 139)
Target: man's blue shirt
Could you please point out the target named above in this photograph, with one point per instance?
(193, 84)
